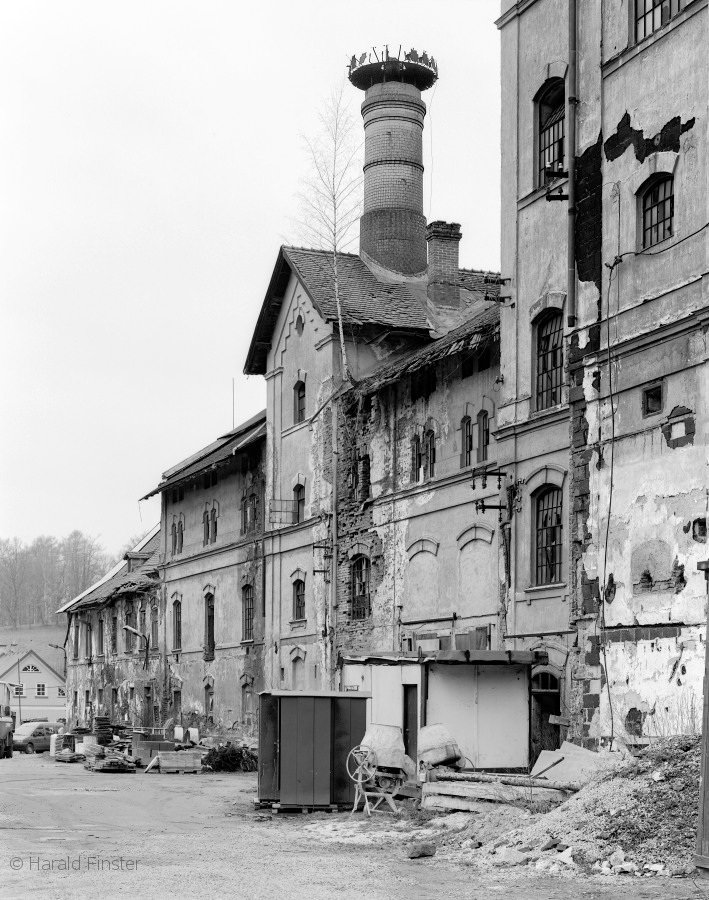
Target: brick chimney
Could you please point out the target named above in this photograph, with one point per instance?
(392, 229)
(443, 259)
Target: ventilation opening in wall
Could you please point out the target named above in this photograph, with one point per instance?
(652, 400)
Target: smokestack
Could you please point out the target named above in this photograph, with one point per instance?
(392, 230)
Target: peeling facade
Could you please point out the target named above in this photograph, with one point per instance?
(634, 473)
(193, 597)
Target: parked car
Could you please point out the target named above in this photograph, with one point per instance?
(34, 737)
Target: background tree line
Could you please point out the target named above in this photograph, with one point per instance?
(37, 578)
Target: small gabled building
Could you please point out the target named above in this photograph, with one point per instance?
(37, 689)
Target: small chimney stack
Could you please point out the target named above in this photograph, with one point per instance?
(443, 239)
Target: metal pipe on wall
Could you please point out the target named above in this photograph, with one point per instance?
(571, 119)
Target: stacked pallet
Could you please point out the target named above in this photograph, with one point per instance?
(103, 730)
(178, 761)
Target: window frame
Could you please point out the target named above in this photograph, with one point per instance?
(247, 613)
(360, 587)
(549, 379)
(416, 460)
(544, 572)
(466, 442)
(154, 627)
(100, 637)
(205, 528)
(213, 516)
(299, 600)
(210, 643)
(649, 9)
(429, 449)
(298, 504)
(248, 513)
(483, 427)
(545, 106)
(298, 402)
(645, 208)
(43, 692)
(177, 624)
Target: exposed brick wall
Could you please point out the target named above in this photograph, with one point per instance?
(443, 240)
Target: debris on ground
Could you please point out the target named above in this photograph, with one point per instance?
(418, 850)
(230, 758)
(638, 819)
(103, 759)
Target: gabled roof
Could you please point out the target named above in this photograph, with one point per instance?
(119, 579)
(365, 299)
(478, 331)
(12, 669)
(215, 454)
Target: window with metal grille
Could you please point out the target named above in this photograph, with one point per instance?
(177, 625)
(248, 514)
(550, 361)
(483, 435)
(551, 107)
(360, 587)
(247, 596)
(209, 643)
(548, 536)
(213, 530)
(154, 628)
(430, 454)
(299, 402)
(545, 682)
(298, 599)
(466, 439)
(658, 212)
(416, 460)
(653, 14)
(299, 502)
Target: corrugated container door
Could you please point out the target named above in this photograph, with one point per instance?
(268, 748)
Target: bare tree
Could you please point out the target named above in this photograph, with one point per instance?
(330, 198)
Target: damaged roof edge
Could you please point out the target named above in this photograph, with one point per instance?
(114, 571)
(452, 657)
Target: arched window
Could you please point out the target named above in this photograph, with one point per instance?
(299, 402)
(299, 503)
(430, 454)
(173, 546)
(298, 599)
(209, 643)
(416, 461)
(247, 613)
(551, 111)
(180, 535)
(483, 435)
(248, 514)
(154, 628)
(176, 625)
(466, 441)
(32, 669)
(205, 528)
(550, 360)
(213, 517)
(658, 203)
(360, 587)
(548, 536)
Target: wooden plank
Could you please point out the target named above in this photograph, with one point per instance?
(450, 803)
(151, 765)
(516, 781)
(303, 748)
(499, 793)
(288, 731)
(322, 750)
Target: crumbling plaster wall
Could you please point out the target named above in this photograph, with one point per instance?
(428, 559)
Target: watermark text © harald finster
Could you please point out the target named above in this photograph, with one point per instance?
(73, 864)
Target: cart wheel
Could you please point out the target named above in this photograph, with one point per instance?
(362, 765)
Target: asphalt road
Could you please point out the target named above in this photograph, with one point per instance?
(68, 833)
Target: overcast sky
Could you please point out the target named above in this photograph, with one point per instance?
(150, 156)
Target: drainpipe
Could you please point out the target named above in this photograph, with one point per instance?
(571, 119)
(330, 636)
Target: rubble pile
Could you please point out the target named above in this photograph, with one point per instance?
(230, 758)
(640, 818)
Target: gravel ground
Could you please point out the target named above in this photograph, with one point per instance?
(154, 836)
